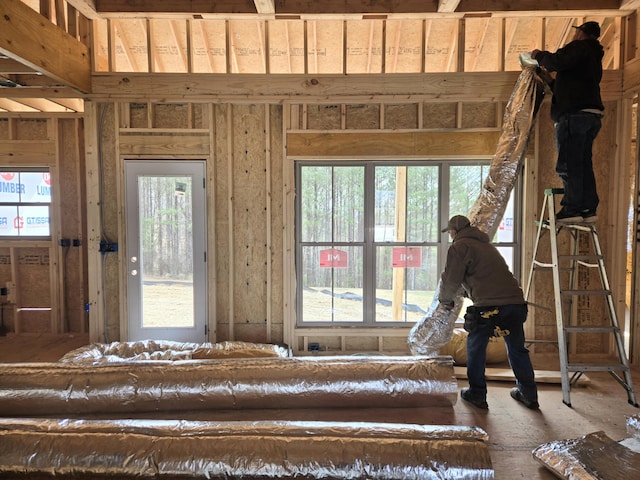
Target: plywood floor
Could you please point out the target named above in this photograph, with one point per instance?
(514, 431)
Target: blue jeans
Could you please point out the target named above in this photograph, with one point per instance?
(575, 134)
(507, 323)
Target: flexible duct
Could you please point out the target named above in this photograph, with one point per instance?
(307, 382)
(312, 450)
(434, 330)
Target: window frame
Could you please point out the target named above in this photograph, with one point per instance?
(18, 204)
(369, 244)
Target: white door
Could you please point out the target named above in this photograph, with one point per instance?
(166, 256)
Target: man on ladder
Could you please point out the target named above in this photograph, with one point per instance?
(576, 109)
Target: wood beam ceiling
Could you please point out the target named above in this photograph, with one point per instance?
(188, 36)
(43, 47)
(124, 8)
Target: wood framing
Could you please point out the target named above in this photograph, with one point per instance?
(402, 88)
(43, 47)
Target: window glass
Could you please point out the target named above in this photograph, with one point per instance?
(370, 251)
(25, 198)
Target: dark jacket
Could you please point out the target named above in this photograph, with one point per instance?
(476, 264)
(579, 71)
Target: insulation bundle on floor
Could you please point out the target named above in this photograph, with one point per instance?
(169, 350)
(306, 382)
(312, 450)
(595, 456)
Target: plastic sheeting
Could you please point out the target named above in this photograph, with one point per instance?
(434, 330)
(591, 457)
(309, 382)
(265, 449)
(168, 350)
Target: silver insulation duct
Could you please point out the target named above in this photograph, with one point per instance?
(434, 330)
(168, 350)
(591, 457)
(265, 449)
(307, 382)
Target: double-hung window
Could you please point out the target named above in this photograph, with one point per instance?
(369, 246)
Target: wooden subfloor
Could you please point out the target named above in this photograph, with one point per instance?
(514, 431)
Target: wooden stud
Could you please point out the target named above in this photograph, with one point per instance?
(269, 226)
(230, 202)
(211, 230)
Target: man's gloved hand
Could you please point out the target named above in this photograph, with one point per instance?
(448, 305)
(534, 52)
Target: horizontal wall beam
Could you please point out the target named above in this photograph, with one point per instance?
(27, 152)
(256, 88)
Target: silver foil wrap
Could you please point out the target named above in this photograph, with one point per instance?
(307, 382)
(434, 330)
(263, 449)
(591, 457)
(168, 350)
(633, 426)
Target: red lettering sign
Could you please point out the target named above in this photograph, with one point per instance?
(333, 258)
(406, 257)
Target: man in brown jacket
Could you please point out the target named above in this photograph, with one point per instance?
(498, 310)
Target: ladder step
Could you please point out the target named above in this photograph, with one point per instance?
(581, 257)
(592, 329)
(537, 263)
(585, 292)
(595, 367)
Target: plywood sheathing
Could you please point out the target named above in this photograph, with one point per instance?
(440, 115)
(111, 216)
(32, 279)
(72, 259)
(362, 116)
(275, 178)
(249, 221)
(402, 116)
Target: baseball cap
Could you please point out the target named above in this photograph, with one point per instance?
(457, 222)
(590, 28)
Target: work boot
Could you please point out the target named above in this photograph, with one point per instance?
(476, 401)
(517, 395)
(564, 217)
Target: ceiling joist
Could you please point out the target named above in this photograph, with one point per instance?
(37, 43)
(150, 8)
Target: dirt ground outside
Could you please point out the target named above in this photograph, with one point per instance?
(170, 304)
(167, 303)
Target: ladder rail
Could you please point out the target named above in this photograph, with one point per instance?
(557, 301)
(564, 299)
(612, 309)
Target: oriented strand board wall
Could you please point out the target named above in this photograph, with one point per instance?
(49, 277)
(247, 174)
(245, 171)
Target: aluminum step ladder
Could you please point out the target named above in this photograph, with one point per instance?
(567, 294)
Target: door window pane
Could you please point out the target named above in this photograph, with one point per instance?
(167, 251)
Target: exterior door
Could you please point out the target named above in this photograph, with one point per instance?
(166, 256)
